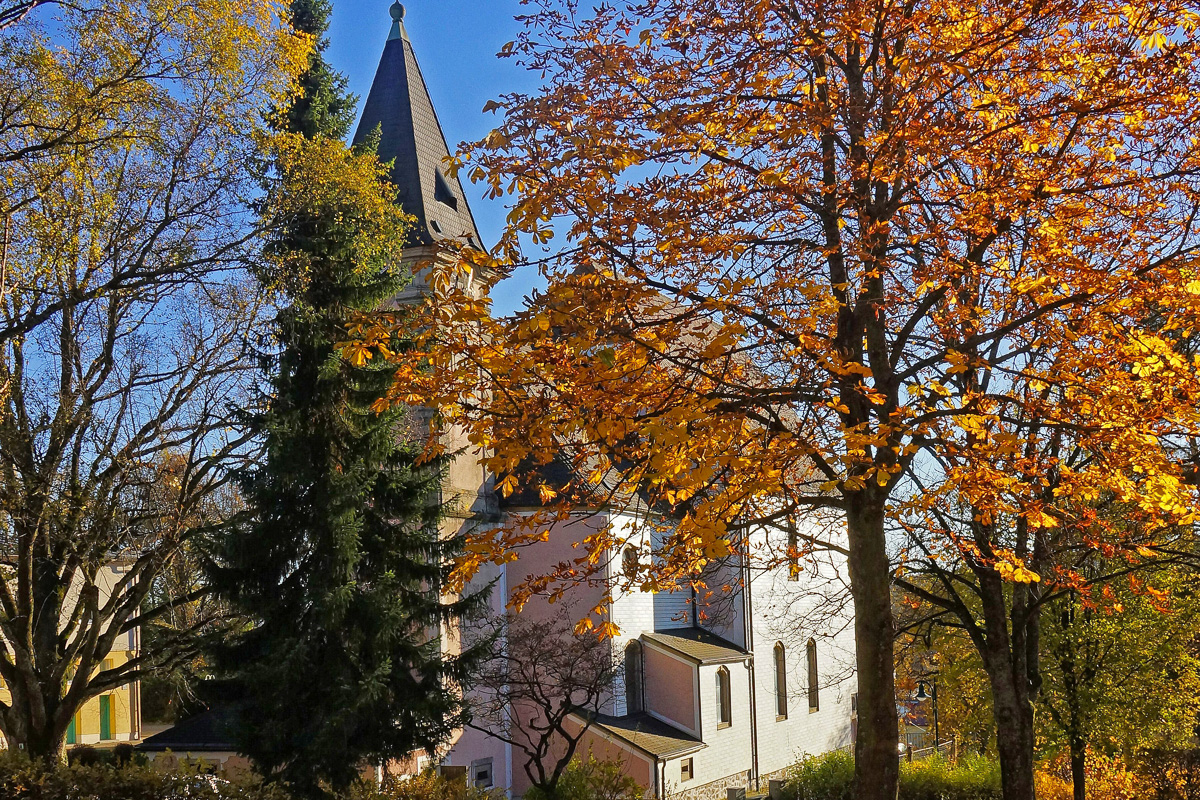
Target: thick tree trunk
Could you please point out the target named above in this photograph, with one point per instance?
(32, 726)
(46, 745)
(1006, 657)
(876, 755)
(41, 743)
(1079, 768)
(1014, 739)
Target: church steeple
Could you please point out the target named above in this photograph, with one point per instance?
(400, 105)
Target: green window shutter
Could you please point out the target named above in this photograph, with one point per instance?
(71, 732)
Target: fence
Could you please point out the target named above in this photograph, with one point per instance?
(946, 748)
(918, 746)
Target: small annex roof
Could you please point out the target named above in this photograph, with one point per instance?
(399, 105)
(204, 733)
(652, 736)
(697, 645)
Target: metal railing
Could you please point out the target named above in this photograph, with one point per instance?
(919, 748)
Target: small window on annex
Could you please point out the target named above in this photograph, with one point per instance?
(686, 772)
(481, 774)
(629, 562)
(814, 699)
(724, 705)
(633, 677)
(780, 682)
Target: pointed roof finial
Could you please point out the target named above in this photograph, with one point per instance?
(397, 12)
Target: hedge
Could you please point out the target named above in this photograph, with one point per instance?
(831, 777)
(22, 779)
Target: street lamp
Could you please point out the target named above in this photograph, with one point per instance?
(923, 694)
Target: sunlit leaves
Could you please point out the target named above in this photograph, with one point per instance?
(790, 282)
(323, 178)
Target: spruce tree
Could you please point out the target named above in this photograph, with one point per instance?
(338, 560)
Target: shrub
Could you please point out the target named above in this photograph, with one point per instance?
(831, 777)
(1107, 779)
(1051, 787)
(969, 778)
(22, 779)
(826, 777)
(592, 780)
(84, 755)
(429, 785)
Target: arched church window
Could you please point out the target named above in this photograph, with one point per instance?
(633, 677)
(814, 698)
(724, 699)
(780, 682)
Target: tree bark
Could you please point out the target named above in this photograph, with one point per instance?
(1071, 681)
(1078, 768)
(1006, 657)
(876, 755)
(1014, 739)
(44, 742)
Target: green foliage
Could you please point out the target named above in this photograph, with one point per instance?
(339, 561)
(592, 779)
(831, 777)
(970, 778)
(1120, 674)
(324, 104)
(826, 777)
(22, 779)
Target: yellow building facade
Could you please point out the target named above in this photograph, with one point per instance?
(112, 717)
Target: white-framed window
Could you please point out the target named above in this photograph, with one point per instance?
(481, 774)
(633, 677)
(814, 684)
(724, 699)
(780, 682)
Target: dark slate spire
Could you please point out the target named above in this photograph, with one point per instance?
(399, 104)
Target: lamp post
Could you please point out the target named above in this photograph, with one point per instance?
(922, 694)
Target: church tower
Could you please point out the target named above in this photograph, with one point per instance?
(399, 106)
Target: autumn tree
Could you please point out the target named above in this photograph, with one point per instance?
(964, 697)
(125, 139)
(1115, 664)
(814, 252)
(1121, 670)
(952, 538)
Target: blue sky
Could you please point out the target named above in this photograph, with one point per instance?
(456, 42)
